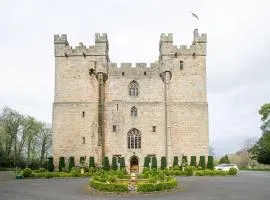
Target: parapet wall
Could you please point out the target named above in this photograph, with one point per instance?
(62, 47)
(139, 69)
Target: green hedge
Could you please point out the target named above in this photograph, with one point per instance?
(154, 163)
(50, 164)
(108, 187)
(233, 171)
(202, 162)
(71, 163)
(151, 187)
(106, 164)
(92, 162)
(210, 162)
(193, 161)
(114, 163)
(163, 163)
(175, 161)
(61, 164)
(208, 172)
(27, 172)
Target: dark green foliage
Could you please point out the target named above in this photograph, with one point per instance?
(261, 150)
(61, 164)
(82, 160)
(71, 163)
(106, 164)
(92, 162)
(224, 160)
(27, 172)
(233, 171)
(75, 171)
(184, 161)
(50, 164)
(114, 163)
(180, 173)
(175, 161)
(154, 162)
(193, 161)
(146, 162)
(190, 170)
(122, 163)
(210, 162)
(109, 187)
(202, 162)
(150, 187)
(163, 163)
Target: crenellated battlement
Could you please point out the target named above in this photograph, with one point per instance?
(130, 69)
(168, 50)
(101, 37)
(81, 50)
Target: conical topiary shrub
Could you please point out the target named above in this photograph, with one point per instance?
(71, 163)
(92, 162)
(210, 162)
(193, 161)
(154, 162)
(114, 163)
(106, 164)
(61, 164)
(163, 163)
(175, 161)
(50, 164)
(202, 162)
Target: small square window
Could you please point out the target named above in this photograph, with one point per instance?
(114, 128)
(154, 128)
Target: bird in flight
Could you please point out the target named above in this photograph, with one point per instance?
(194, 15)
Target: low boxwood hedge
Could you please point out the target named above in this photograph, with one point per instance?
(109, 187)
(161, 186)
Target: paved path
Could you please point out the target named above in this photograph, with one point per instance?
(246, 186)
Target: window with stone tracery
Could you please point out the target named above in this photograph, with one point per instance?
(133, 111)
(133, 88)
(134, 139)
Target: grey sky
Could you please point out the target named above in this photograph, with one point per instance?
(237, 61)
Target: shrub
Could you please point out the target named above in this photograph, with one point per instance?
(40, 170)
(175, 168)
(75, 171)
(190, 170)
(154, 162)
(210, 162)
(120, 174)
(106, 164)
(145, 187)
(82, 160)
(224, 160)
(111, 178)
(114, 163)
(180, 173)
(122, 163)
(232, 171)
(27, 172)
(61, 164)
(150, 187)
(146, 162)
(210, 172)
(199, 173)
(184, 161)
(50, 164)
(109, 187)
(71, 163)
(91, 162)
(163, 163)
(175, 161)
(193, 161)
(202, 162)
(221, 173)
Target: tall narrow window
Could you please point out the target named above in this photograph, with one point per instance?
(114, 128)
(133, 111)
(133, 88)
(83, 114)
(181, 64)
(154, 128)
(134, 139)
(83, 140)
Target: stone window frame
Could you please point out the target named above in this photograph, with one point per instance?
(133, 88)
(134, 139)
(133, 111)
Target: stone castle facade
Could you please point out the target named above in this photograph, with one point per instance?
(101, 109)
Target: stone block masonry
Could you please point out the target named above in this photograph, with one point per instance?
(101, 109)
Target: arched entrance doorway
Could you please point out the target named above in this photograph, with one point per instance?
(134, 164)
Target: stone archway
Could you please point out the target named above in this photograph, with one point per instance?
(134, 164)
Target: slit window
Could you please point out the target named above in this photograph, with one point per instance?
(83, 140)
(83, 114)
(123, 73)
(181, 64)
(114, 128)
(154, 128)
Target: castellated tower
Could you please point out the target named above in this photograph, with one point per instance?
(101, 109)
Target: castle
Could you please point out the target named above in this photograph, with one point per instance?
(101, 109)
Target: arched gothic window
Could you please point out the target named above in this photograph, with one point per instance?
(133, 88)
(134, 139)
(133, 111)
